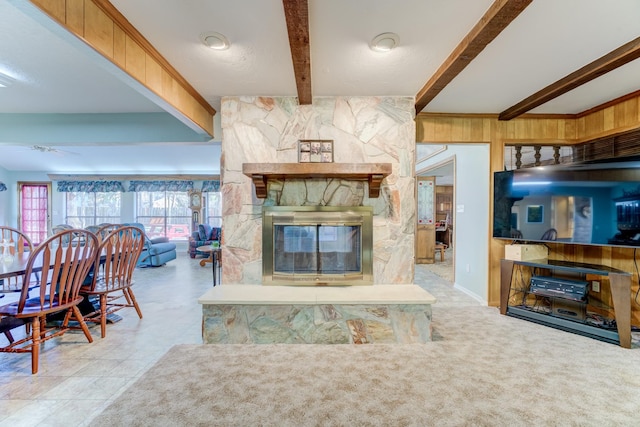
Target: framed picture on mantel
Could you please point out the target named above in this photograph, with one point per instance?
(315, 151)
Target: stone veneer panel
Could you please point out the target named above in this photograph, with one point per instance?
(316, 324)
(364, 130)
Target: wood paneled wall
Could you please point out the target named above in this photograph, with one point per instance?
(102, 27)
(544, 130)
(609, 120)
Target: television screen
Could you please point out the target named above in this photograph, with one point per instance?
(586, 203)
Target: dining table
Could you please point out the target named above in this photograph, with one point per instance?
(18, 266)
(12, 267)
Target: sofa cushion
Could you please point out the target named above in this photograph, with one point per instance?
(215, 233)
(157, 240)
(204, 231)
(159, 248)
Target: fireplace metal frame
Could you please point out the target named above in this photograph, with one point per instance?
(313, 215)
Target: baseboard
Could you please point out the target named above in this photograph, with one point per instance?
(473, 295)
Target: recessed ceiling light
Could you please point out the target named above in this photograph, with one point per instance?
(215, 40)
(384, 42)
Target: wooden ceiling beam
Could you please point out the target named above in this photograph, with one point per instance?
(296, 13)
(101, 26)
(499, 15)
(612, 60)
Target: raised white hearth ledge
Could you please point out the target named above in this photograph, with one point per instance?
(277, 295)
(255, 314)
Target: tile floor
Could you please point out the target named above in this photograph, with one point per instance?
(77, 380)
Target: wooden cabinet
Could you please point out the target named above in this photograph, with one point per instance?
(444, 203)
(517, 299)
(425, 245)
(444, 214)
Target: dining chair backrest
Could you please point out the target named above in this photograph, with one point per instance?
(12, 243)
(550, 234)
(65, 260)
(17, 242)
(60, 227)
(92, 228)
(105, 229)
(119, 253)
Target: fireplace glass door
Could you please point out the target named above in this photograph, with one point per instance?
(317, 249)
(317, 245)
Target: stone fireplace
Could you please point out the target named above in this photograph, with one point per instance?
(265, 187)
(364, 131)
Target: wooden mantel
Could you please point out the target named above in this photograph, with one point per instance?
(261, 173)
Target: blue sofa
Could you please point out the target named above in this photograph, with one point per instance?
(203, 237)
(157, 251)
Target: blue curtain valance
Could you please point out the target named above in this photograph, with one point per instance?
(3, 187)
(91, 186)
(160, 185)
(212, 186)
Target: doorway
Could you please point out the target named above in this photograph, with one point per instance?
(442, 239)
(471, 207)
(34, 208)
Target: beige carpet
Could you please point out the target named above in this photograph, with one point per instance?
(484, 370)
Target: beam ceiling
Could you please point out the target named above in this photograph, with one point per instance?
(612, 60)
(297, 15)
(497, 18)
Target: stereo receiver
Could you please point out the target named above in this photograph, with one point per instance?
(559, 287)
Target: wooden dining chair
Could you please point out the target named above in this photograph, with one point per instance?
(12, 243)
(119, 253)
(104, 230)
(92, 228)
(64, 267)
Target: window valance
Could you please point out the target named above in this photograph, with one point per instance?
(212, 186)
(91, 186)
(160, 185)
(3, 187)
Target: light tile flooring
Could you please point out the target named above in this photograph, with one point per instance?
(77, 380)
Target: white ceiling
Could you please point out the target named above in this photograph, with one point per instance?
(547, 41)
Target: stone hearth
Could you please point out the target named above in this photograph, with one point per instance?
(245, 314)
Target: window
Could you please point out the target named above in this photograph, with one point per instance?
(84, 209)
(164, 213)
(213, 208)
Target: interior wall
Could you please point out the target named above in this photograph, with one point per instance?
(543, 129)
(5, 197)
(471, 210)
(9, 199)
(11, 209)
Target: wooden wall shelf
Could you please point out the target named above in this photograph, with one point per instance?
(261, 173)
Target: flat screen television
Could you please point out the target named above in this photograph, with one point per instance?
(594, 203)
